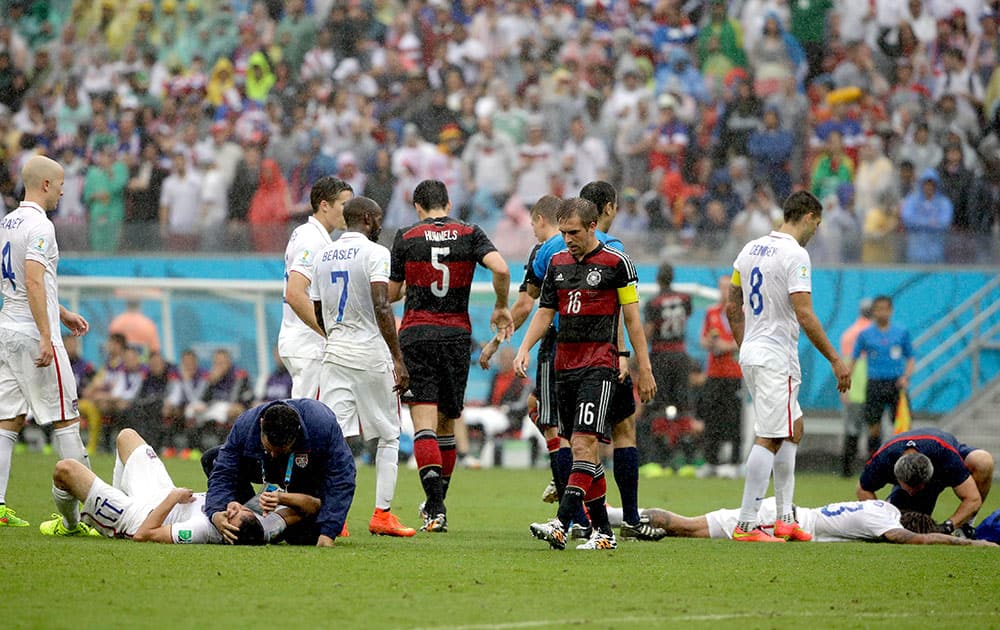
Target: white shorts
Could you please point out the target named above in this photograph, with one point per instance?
(305, 375)
(775, 400)
(49, 392)
(721, 523)
(119, 510)
(362, 400)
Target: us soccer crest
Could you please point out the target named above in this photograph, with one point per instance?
(594, 278)
(302, 460)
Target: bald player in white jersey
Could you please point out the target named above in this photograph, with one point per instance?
(363, 369)
(35, 373)
(300, 340)
(769, 299)
(873, 520)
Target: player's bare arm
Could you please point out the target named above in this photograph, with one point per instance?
(397, 290)
(734, 312)
(386, 321)
(971, 501)
(519, 314)
(536, 330)
(75, 322)
(153, 529)
(633, 323)
(802, 304)
(677, 525)
(902, 536)
(501, 320)
(34, 283)
(297, 297)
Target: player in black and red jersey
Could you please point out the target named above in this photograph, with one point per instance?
(435, 259)
(666, 318)
(589, 286)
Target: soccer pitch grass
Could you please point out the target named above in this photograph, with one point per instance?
(487, 571)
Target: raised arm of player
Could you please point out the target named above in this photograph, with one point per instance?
(536, 330)
(297, 297)
(34, 284)
(153, 529)
(501, 320)
(633, 324)
(802, 304)
(386, 320)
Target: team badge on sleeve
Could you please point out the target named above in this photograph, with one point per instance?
(184, 536)
(41, 244)
(306, 258)
(803, 272)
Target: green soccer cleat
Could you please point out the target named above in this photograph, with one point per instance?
(55, 527)
(9, 519)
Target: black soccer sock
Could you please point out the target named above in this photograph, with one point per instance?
(626, 463)
(569, 505)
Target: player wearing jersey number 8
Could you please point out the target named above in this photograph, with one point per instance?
(765, 322)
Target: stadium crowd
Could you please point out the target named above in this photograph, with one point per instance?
(202, 125)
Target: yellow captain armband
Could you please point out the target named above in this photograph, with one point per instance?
(735, 280)
(628, 294)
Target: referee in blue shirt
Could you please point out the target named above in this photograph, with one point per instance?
(890, 365)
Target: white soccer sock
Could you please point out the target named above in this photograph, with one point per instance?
(68, 506)
(8, 439)
(784, 480)
(116, 476)
(616, 516)
(386, 467)
(759, 464)
(69, 445)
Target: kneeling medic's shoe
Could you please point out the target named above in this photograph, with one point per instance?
(791, 532)
(551, 532)
(550, 494)
(385, 523)
(600, 540)
(55, 527)
(9, 519)
(754, 535)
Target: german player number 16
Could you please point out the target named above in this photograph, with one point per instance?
(574, 302)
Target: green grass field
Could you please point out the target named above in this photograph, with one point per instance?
(488, 572)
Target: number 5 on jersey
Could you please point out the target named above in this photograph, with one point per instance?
(440, 289)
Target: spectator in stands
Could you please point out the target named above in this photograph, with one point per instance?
(187, 385)
(226, 395)
(142, 200)
(125, 384)
(180, 205)
(956, 185)
(139, 331)
(770, 148)
(923, 153)
(832, 169)
(854, 399)
(278, 385)
(269, 209)
(927, 215)
(776, 57)
(874, 176)
(490, 160)
(146, 413)
(246, 178)
(103, 192)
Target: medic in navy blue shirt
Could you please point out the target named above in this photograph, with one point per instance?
(296, 445)
(965, 469)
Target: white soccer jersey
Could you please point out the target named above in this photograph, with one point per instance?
(770, 269)
(342, 278)
(27, 234)
(850, 520)
(295, 339)
(189, 525)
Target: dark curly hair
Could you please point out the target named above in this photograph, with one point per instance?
(918, 522)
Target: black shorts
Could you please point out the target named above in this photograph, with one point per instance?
(671, 371)
(545, 392)
(584, 404)
(439, 372)
(622, 402)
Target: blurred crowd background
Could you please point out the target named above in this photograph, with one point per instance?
(200, 125)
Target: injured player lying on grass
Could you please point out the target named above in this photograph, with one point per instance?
(877, 521)
(142, 504)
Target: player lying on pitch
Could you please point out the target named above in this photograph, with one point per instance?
(878, 521)
(142, 504)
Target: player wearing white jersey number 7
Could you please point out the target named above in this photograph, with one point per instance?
(300, 340)
(769, 299)
(877, 521)
(363, 370)
(35, 372)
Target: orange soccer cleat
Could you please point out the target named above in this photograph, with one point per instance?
(791, 531)
(385, 523)
(754, 535)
